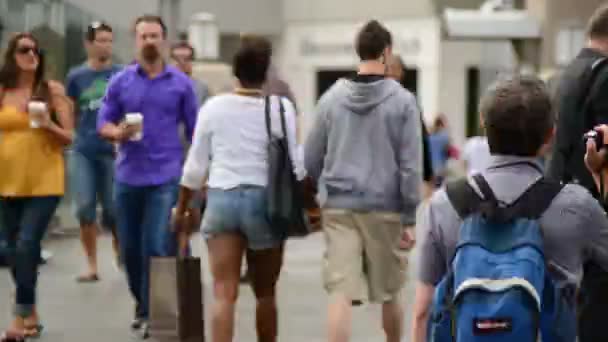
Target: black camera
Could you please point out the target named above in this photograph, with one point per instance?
(597, 136)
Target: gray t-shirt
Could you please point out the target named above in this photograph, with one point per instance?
(575, 227)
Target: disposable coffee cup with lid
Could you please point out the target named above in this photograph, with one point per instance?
(135, 119)
(36, 109)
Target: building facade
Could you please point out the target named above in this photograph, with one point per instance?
(314, 41)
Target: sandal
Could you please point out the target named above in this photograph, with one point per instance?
(12, 336)
(91, 278)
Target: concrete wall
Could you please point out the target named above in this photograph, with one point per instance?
(118, 12)
(321, 10)
(233, 16)
(559, 14)
(236, 16)
(491, 58)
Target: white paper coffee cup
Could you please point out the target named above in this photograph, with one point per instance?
(135, 119)
(36, 110)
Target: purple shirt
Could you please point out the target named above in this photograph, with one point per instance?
(164, 101)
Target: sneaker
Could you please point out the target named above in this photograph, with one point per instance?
(45, 256)
(145, 331)
(137, 323)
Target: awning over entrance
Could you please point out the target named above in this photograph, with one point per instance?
(478, 24)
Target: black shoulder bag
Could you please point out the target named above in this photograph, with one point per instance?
(285, 194)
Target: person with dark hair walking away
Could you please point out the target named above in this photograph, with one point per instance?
(582, 102)
(36, 125)
(397, 70)
(231, 142)
(91, 163)
(519, 121)
(364, 149)
(276, 86)
(142, 109)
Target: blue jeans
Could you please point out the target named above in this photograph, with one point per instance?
(24, 222)
(241, 210)
(92, 177)
(143, 214)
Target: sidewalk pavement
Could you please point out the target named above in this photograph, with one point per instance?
(101, 312)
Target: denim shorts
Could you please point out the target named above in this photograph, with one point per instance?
(241, 210)
(92, 178)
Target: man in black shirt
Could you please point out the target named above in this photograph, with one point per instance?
(582, 103)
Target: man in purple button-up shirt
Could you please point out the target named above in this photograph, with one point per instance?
(147, 170)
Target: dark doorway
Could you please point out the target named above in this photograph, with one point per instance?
(327, 78)
(473, 82)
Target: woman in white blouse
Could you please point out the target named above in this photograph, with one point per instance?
(231, 141)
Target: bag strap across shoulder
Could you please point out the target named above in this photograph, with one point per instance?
(269, 119)
(531, 204)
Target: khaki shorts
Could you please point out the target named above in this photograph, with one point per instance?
(363, 260)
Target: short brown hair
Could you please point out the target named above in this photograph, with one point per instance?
(250, 63)
(183, 45)
(94, 27)
(598, 24)
(372, 40)
(150, 18)
(518, 115)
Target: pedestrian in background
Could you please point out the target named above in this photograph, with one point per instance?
(397, 70)
(231, 141)
(142, 110)
(182, 56)
(365, 151)
(441, 149)
(91, 163)
(36, 125)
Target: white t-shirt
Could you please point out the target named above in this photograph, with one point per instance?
(476, 154)
(230, 140)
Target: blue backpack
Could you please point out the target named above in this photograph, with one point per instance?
(497, 287)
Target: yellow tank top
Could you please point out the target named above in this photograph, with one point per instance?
(31, 160)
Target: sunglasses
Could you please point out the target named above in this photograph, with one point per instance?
(24, 50)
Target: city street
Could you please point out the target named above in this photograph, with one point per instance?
(101, 312)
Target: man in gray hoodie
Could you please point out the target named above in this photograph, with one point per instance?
(365, 152)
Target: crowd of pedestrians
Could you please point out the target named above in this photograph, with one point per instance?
(152, 147)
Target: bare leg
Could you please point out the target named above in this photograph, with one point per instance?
(88, 238)
(116, 246)
(392, 320)
(225, 256)
(264, 268)
(339, 318)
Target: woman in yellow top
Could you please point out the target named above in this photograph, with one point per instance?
(35, 125)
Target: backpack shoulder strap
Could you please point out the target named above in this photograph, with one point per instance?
(536, 200)
(463, 197)
(531, 204)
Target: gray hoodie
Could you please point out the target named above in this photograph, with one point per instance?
(365, 149)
